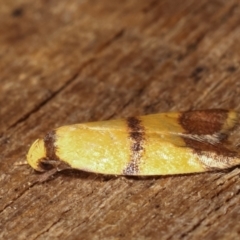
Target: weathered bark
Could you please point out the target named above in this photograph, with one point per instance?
(65, 62)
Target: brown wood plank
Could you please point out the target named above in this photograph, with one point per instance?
(65, 62)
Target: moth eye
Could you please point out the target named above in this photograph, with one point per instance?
(45, 165)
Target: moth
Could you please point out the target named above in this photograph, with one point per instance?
(156, 144)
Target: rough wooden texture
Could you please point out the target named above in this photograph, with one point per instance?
(73, 61)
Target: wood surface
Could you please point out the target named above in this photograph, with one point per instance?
(65, 62)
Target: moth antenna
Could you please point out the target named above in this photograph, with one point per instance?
(20, 163)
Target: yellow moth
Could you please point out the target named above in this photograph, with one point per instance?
(157, 144)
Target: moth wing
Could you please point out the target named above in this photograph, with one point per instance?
(211, 135)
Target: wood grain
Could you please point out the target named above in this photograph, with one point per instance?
(65, 62)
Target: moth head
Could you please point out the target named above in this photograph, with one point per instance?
(37, 158)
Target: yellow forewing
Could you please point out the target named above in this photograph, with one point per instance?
(96, 148)
(158, 144)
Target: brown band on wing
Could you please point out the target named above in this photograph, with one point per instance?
(136, 135)
(49, 143)
(203, 122)
(206, 123)
(218, 155)
(51, 160)
(200, 147)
